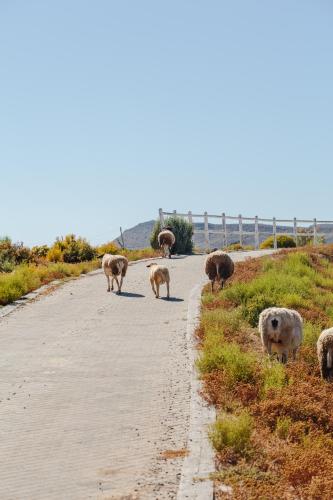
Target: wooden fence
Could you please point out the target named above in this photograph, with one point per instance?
(297, 229)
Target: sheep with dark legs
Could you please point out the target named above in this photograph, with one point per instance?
(281, 331)
(219, 267)
(114, 266)
(325, 353)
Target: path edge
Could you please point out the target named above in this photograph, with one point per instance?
(25, 299)
(195, 482)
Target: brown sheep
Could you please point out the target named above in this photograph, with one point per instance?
(219, 267)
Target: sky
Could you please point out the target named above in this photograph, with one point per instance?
(110, 110)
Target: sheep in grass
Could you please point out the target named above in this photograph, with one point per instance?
(281, 331)
(219, 267)
(114, 266)
(158, 276)
(325, 353)
(166, 240)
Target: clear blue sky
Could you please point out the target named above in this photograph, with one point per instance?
(111, 109)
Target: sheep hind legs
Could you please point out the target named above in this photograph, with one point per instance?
(119, 286)
(153, 287)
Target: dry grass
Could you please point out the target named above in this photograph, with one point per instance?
(289, 453)
(171, 454)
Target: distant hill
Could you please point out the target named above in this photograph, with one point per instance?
(139, 235)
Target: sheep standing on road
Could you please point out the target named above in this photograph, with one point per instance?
(166, 240)
(158, 276)
(281, 331)
(219, 267)
(325, 353)
(114, 266)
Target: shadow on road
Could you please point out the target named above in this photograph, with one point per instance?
(130, 294)
(172, 299)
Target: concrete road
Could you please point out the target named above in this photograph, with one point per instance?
(94, 389)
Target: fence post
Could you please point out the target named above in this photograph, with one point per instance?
(240, 222)
(190, 219)
(295, 230)
(206, 230)
(160, 212)
(274, 233)
(315, 240)
(256, 232)
(224, 229)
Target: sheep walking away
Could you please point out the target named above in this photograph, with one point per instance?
(219, 267)
(114, 266)
(158, 276)
(166, 240)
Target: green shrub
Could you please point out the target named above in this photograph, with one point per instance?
(110, 248)
(273, 377)
(39, 251)
(283, 241)
(255, 306)
(183, 232)
(232, 432)
(311, 332)
(238, 366)
(282, 427)
(12, 254)
(71, 249)
(236, 247)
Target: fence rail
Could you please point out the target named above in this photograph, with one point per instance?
(296, 231)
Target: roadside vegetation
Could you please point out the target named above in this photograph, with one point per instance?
(237, 247)
(286, 241)
(274, 432)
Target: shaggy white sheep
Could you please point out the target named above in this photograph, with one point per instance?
(281, 331)
(114, 266)
(219, 267)
(158, 276)
(325, 353)
(166, 240)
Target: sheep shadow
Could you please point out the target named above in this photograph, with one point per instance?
(172, 299)
(176, 257)
(130, 295)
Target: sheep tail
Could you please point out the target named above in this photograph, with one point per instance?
(329, 358)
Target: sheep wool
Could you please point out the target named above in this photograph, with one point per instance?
(325, 353)
(158, 276)
(281, 331)
(219, 267)
(114, 266)
(166, 240)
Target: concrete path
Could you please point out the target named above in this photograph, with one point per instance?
(94, 389)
